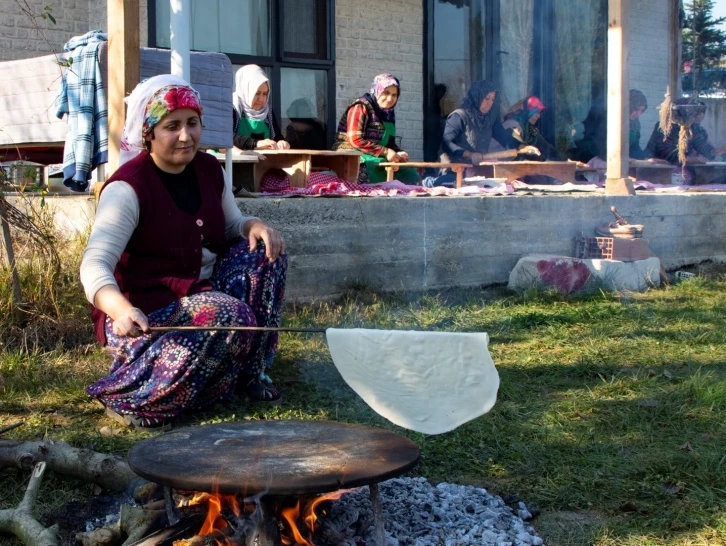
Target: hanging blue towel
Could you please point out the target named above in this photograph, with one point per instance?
(83, 99)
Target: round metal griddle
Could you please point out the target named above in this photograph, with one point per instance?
(277, 458)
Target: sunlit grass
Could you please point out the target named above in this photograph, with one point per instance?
(609, 418)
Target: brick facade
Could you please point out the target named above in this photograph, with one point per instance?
(20, 39)
(391, 41)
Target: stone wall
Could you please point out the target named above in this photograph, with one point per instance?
(391, 41)
(419, 243)
(650, 56)
(20, 38)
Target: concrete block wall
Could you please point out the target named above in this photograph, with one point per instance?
(650, 56)
(21, 38)
(387, 39)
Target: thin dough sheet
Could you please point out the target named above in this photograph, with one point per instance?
(430, 382)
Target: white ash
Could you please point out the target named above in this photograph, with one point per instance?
(417, 513)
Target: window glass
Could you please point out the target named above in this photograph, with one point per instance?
(229, 26)
(304, 107)
(514, 57)
(312, 16)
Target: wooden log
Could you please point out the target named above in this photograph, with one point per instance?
(21, 522)
(107, 471)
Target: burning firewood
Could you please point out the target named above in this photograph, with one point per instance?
(107, 471)
(21, 522)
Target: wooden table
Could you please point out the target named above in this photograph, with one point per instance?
(513, 170)
(706, 173)
(458, 168)
(651, 172)
(298, 164)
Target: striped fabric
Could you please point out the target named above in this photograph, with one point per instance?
(83, 100)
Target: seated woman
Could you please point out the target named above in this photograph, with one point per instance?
(169, 247)
(594, 141)
(686, 140)
(254, 125)
(369, 126)
(470, 128)
(305, 131)
(521, 124)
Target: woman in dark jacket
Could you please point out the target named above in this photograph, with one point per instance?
(470, 128)
(521, 123)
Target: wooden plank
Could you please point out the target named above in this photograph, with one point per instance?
(513, 170)
(295, 165)
(123, 56)
(707, 173)
(618, 99)
(657, 174)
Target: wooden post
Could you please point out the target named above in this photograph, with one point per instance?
(123, 71)
(618, 105)
(8, 242)
(676, 48)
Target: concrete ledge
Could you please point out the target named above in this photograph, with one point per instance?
(427, 243)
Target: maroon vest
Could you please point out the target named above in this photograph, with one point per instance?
(162, 260)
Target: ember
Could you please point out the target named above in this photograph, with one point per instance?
(229, 522)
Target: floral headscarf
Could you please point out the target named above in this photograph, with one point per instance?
(380, 83)
(165, 101)
(523, 111)
(148, 103)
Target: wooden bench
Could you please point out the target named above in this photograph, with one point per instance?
(706, 173)
(458, 168)
(298, 164)
(651, 172)
(514, 170)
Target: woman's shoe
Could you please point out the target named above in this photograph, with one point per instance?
(259, 390)
(138, 422)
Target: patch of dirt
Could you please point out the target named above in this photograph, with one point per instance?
(568, 528)
(73, 516)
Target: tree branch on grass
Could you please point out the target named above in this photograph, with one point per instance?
(21, 522)
(107, 471)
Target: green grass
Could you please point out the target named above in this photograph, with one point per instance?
(610, 416)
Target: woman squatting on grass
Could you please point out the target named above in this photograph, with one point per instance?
(169, 247)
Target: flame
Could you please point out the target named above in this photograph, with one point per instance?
(213, 521)
(291, 515)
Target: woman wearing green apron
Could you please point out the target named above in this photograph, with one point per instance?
(255, 127)
(369, 126)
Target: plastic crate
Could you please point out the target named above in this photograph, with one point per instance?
(612, 248)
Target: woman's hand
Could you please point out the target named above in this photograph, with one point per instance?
(476, 158)
(392, 156)
(131, 322)
(256, 230)
(283, 145)
(529, 150)
(266, 144)
(403, 156)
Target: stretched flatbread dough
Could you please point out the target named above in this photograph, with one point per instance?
(430, 382)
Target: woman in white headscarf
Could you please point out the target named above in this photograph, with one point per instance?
(254, 125)
(170, 248)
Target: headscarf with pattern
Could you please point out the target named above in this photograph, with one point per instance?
(380, 83)
(148, 103)
(522, 112)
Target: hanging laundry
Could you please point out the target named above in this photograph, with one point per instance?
(83, 99)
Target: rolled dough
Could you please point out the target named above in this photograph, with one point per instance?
(430, 382)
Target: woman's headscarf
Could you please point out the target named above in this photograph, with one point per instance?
(477, 93)
(380, 83)
(148, 103)
(523, 111)
(248, 80)
(637, 100)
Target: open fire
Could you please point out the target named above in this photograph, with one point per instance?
(230, 519)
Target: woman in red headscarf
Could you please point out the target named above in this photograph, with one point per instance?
(169, 247)
(521, 123)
